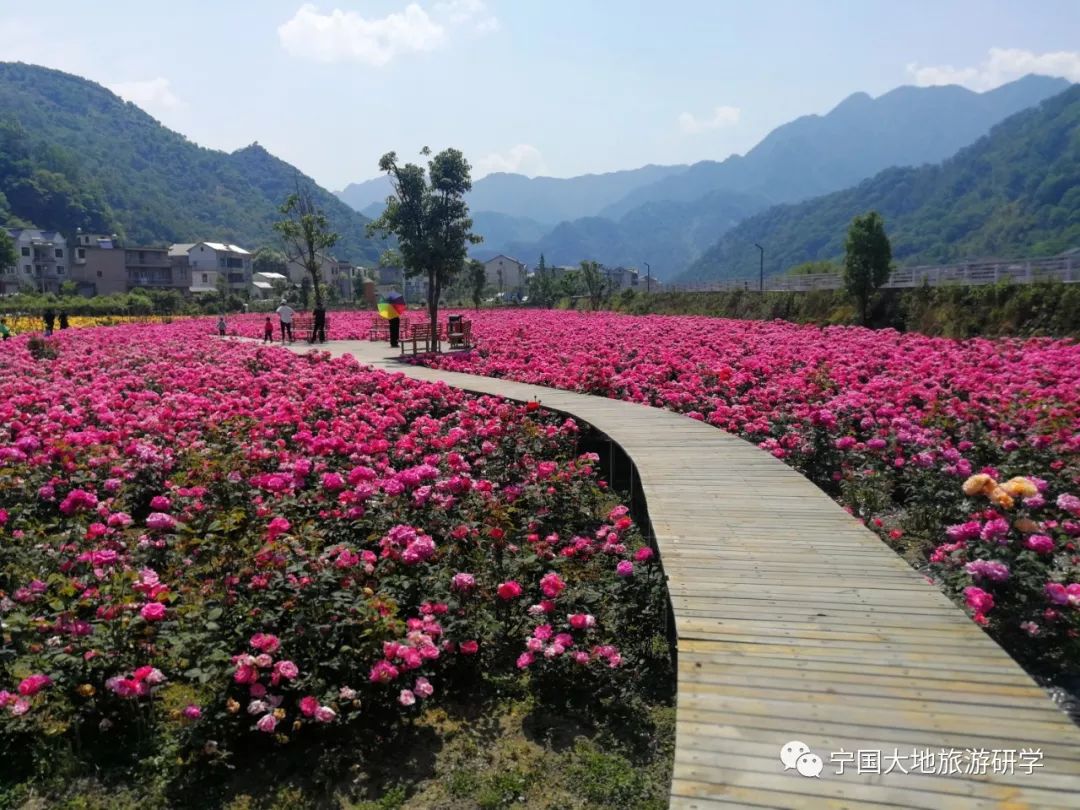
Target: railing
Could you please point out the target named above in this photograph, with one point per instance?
(1023, 271)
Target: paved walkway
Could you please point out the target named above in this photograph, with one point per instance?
(794, 622)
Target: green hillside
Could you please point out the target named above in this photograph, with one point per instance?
(668, 234)
(125, 170)
(1015, 192)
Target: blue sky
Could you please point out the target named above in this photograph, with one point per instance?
(556, 87)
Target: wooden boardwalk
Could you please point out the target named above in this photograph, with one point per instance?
(794, 622)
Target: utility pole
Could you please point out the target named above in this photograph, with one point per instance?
(761, 271)
(648, 277)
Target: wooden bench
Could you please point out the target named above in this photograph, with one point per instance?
(301, 325)
(379, 328)
(459, 335)
(419, 335)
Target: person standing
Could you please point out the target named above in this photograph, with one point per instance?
(5, 333)
(395, 330)
(221, 327)
(318, 325)
(268, 331)
(63, 319)
(285, 314)
(49, 317)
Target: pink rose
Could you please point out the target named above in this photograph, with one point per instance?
(33, 684)
(508, 590)
(286, 669)
(153, 611)
(552, 585)
(324, 714)
(264, 642)
(267, 723)
(581, 621)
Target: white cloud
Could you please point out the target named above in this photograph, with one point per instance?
(153, 95)
(721, 117)
(460, 12)
(345, 36)
(521, 159)
(1002, 65)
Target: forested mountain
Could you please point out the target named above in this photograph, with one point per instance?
(547, 200)
(816, 154)
(126, 173)
(669, 223)
(1015, 192)
(500, 230)
(666, 234)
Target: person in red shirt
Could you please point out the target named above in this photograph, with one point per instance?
(268, 331)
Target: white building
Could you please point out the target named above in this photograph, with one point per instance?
(334, 273)
(205, 262)
(263, 284)
(393, 279)
(506, 275)
(41, 261)
(620, 278)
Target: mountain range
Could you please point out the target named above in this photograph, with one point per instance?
(669, 215)
(1013, 193)
(75, 155)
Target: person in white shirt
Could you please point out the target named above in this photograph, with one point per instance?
(285, 313)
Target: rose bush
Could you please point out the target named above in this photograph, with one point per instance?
(210, 550)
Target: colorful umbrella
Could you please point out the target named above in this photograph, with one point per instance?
(392, 306)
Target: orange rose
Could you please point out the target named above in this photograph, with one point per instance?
(979, 484)
(1000, 497)
(1020, 487)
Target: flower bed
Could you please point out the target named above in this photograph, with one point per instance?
(890, 424)
(212, 553)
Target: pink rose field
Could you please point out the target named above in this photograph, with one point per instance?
(892, 425)
(217, 556)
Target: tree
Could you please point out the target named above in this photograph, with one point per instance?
(569, 284)
(867, 259)
(543, 286)
(814, 268)
(305, 232)
(593, 278)
(477, 281)
(305, 293)
(430, 218)
(269, 260)
(8, 258)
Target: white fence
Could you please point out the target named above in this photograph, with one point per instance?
(1023, 271)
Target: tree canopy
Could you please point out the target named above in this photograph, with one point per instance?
(305, 233)
(429, 217)
(867, 259)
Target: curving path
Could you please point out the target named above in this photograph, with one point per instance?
(794, 622)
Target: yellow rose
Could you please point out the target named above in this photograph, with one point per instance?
(85, 690)
(1000, 497)
(1020, 487)
(981, 483)
(232, 706)
(279, 714)
(1026, 525)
